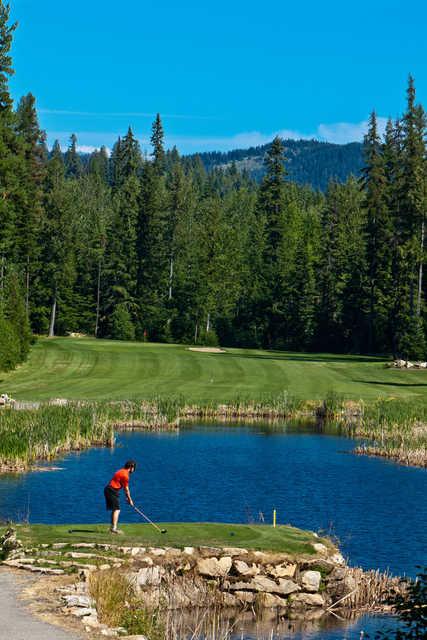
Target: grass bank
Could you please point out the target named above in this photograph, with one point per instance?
(123, 385)
(88, 369)
(283, 539)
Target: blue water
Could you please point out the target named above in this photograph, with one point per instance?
(377, 509)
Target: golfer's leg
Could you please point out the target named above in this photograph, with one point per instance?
(114, 519)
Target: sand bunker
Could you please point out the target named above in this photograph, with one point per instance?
(207, 349)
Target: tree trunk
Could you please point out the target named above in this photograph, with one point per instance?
(195, 333)
(98, 298)
(52, 318)
(420, 271)
(208, 323)
(27, 288)
(2, 274)
(170, 278)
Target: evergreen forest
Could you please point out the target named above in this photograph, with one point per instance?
(155, 247)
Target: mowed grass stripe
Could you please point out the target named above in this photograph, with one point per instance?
(112, 370)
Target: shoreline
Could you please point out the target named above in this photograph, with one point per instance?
(403, 442)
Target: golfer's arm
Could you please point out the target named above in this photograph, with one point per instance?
(128, 497)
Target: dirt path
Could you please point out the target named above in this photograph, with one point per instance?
(16, 622)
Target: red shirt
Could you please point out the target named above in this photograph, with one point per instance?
(120, 479)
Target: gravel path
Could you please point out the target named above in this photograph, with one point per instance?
(16, 622)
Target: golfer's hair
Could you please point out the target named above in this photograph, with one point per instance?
(129, 464)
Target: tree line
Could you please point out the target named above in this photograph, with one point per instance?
(153, 247)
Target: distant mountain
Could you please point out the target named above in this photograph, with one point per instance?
(308, 161)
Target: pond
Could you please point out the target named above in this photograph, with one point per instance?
(377, 509)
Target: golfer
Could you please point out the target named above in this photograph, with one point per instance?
(120, 480)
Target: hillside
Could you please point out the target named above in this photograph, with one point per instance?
(308, 161)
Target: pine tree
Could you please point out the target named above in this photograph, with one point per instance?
(379, 231)
(73, 162)
(410, 228)
(271, 213)
(158, 153)
(30, 217)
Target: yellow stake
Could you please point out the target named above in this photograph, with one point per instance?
(274, 518)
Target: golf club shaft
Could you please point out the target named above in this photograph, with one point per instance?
(147, 518)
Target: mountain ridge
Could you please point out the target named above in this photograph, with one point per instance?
(309, 162)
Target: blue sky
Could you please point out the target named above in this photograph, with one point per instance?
(222, 74)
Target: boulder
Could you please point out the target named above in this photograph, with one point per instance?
(286, 587)
(320, 548)
(337, 558)
(214, 568)
(189, 551)
(243, 569)
(235, 551)
(283, 570)
(310, 580)
(271, 600)
(230, 600)
(78, 601)
(149, 576)
(308, 600)
(246, 597)
(81, 612)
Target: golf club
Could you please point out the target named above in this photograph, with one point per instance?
(148, 520)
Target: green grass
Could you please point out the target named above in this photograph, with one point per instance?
(257, 537)
(107, 370)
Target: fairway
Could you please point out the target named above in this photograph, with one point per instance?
(258, 537)
(111, 370)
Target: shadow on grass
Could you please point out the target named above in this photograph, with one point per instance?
(304, 357)
(393, 384)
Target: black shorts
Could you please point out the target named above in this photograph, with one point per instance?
(112, 501)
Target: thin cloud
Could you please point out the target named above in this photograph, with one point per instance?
(122, 114)
(338, 133)
(342, 132)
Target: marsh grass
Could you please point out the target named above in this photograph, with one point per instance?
(395, 430)
(392, 428)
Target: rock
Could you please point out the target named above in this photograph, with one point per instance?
(308, 600)
(78, 601)
(261, 555)
(235, 551)
(244, 569)
(310, 580)
(149, 576)
(214, 568)
(189, 551)
(230, 600)
(320, 548)
(287, 586)
(91, 622)
(147, 560)
(337, 558)
(339, 573)
(81, 612)
(60, 545)
(261, 583)
(325, 566)
(155, 551)
(135, 551)
(207, 552)
(9, 542)
(135, 638)
(78, 545)
(247, 597)
(284, 570)
(270, 600)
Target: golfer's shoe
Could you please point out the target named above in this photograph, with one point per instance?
(117, 531)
